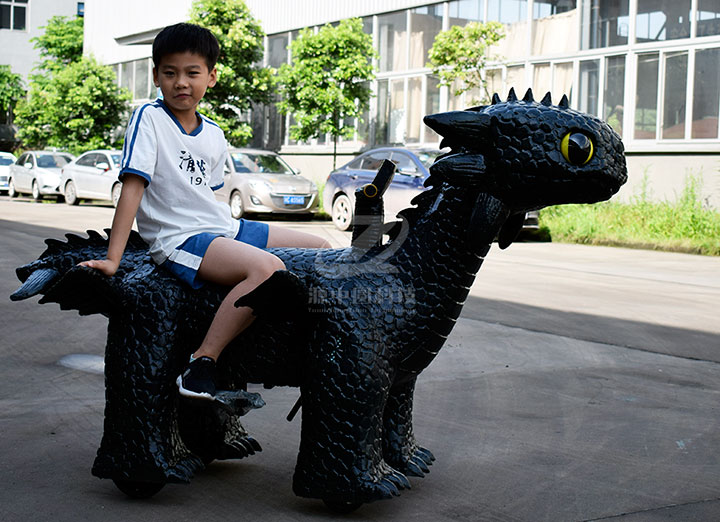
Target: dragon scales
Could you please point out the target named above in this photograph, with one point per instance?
(359, 326)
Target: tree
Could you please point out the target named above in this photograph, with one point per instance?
(73, 102)
(11, 90)
(327, 81)
(61, 43)
(461, 53)
(78, 108)
(241, 79)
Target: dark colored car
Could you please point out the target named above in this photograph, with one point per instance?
(411, 172)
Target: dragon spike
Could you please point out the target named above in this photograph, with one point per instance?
(75, 239)
(38, 281)
(564, 104)
(547, 99)
(496, 99)
(511, 95)
(528, 96)
(94, 235)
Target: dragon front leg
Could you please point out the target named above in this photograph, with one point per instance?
(400, 449)
(340, 458)
(141, 441)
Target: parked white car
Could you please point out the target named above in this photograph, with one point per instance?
(6, 159)
(37, 172)
(93, 175)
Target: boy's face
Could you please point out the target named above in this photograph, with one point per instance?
(183, 79)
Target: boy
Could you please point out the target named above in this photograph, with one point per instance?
(173, 159)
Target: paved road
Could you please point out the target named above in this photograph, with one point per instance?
(581, 383)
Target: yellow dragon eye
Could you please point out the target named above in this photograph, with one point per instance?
(577, 148)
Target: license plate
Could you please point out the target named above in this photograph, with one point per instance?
(294, 200)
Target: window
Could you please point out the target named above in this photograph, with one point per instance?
(515, 79)
(614, 92)
(87, 161)
(81, 9)
(392, 41)
(588, 87)
(464, 11)
(142, 80)
(507, 11)
(277, 50)
(706, 99)
(562, 80)
(604, 23)
(432, 105)
(673, 114)
(13, 14)
(708, 17)
(541, 79)
(659, 20)
(646, 96)
(552, 18)
(425, 24)
(414, 110)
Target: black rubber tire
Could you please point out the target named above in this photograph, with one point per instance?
(138, 489)
(340, 507)
(115, 194)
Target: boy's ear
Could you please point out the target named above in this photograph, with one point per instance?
(155, 77)
(213, 77)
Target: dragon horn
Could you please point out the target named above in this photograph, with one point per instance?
(547, 100)
(496, 99)
(564, 102)
(511, 95)
(528, 96)
(38, 281)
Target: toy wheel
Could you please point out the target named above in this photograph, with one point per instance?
(341, 507)
(138, 489)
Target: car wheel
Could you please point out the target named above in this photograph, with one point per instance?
(11, 189)
(342, 212)
(71, 194)
(36, 191)
(115, 196)
(236, 205)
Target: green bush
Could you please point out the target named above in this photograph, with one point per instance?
(683, 225)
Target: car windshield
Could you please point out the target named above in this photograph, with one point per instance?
(427, 157)
(5, 161)
(245, 163)
(117, 158)
(52, 161)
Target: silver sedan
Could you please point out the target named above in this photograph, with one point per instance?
(258, 181)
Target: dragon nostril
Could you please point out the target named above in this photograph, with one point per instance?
(577, 148)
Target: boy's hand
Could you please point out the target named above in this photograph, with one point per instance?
(106, 266)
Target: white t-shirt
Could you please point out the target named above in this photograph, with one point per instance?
(181, 171)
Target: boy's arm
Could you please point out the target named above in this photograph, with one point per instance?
(132, 193)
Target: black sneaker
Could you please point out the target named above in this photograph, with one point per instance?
(198, 379)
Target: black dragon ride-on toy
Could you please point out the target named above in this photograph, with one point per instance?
(355, 326)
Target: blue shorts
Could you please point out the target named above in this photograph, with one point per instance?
(186, 259)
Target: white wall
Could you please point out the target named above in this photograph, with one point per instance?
(17, 50)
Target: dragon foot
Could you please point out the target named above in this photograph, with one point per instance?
(358, 487)
(414, 461)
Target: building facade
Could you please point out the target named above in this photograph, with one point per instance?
(651, 68)
(20, 21)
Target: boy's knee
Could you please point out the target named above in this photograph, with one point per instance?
(324, 243)
(271, 265)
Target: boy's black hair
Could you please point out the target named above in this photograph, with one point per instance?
(182, 37)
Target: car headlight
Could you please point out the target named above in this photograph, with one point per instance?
(260, 185)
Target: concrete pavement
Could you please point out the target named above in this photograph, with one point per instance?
(581, 383)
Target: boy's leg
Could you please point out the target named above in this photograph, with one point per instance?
(285, 237)
(242, 266)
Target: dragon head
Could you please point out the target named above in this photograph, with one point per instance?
(530, 154)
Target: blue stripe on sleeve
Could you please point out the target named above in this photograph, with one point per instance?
(218, 187)
(143, 175)
(135, 132)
